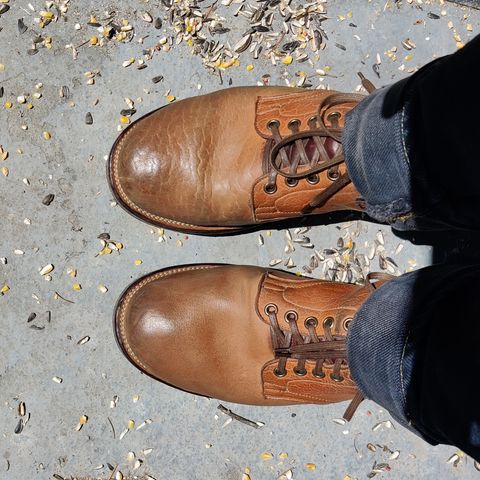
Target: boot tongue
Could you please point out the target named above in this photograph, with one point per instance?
(331, 147)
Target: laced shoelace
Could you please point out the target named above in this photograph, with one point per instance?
(328, 350)
(303, 154)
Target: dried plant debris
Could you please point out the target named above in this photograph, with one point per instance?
(239, 418)
(350, 261)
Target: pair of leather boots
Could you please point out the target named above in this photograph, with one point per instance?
(228, 162)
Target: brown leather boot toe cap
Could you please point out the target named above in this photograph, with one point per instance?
(178, 326)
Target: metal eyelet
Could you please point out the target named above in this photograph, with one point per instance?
(273, 124)
(311, 322)
(318, 374)
(313, 179)
(333, 175)
(337, 378)
(291, 182)
(346, 323)
(291, 316)
(293, 122)
(278, 373)
(301, 372)
(270, 188)
(328, 322)
(333, 117)
(312, 120)
(271, 308)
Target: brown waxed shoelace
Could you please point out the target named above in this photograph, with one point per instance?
(289, 158)
(324, 350)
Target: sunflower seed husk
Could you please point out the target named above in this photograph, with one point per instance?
(158, 23)
(89, 118)
(19, 427)
(454, 459)
(380, 238)
(22, 28)
(146, 17)
(127, 112)
(47, 269)
(395, 455)
(83, 340)
(243, 44)
(64, 92)
(157, 79)
(289, 263)
(31, 317)
(48, 199)
(36, 327)
(4, 8)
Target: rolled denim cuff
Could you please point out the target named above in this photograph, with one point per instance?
(374, 144)
(376, 345)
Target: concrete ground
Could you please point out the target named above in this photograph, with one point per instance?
(65, 365)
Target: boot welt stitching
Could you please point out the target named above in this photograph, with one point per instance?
(128, 297)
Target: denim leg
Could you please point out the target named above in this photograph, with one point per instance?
(411, 149)
(377, 158)
(413, 348)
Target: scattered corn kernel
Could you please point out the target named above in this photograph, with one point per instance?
(131, 424)
(4, 289)
(8, 104)
(266, 456)
(287, 60)
(47, 15)
(310, 466)
(138, 262)
(77, 287)
(249, 68)
(47, 135)
(5, 171)
(93, 40)
(124, 119)
(170, 98)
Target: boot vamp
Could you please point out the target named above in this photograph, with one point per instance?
(200, 331)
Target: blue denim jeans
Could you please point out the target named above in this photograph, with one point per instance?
(412, 151)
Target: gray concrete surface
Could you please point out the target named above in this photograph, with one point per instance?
(187, 434)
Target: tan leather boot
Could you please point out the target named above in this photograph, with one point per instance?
(235, 159)
(243, 334)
